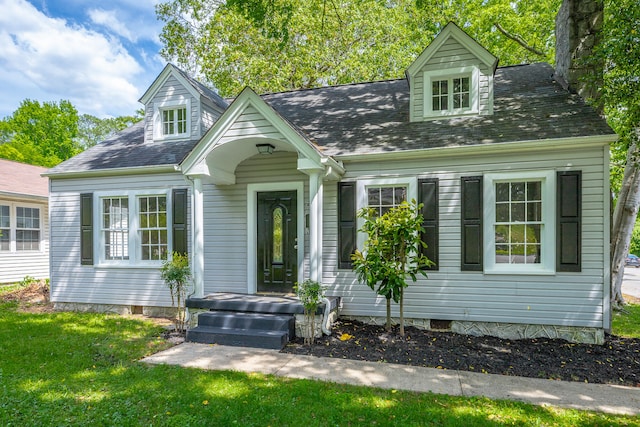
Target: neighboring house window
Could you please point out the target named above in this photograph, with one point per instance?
(5, 228)
(153, 227)
(20, 228)
(519, 222)
(451, 92)
(174, 121)
(134, 228)
(27, 229)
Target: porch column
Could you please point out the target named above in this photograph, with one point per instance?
(198, 239)
(315, 225)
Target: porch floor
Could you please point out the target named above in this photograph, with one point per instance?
(275, 304)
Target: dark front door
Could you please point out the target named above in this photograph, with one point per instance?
(277, 241)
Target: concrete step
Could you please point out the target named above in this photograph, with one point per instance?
(255, 338)
(248, 321)
(226, 301)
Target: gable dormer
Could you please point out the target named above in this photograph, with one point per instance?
(178, 107)
(452, 77)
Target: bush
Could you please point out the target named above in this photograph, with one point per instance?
(177, 275)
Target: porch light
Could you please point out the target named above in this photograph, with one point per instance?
(265, 148)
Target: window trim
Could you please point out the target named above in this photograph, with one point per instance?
(449, 74)
(13, 227)
(361, 197)
(547, 235)
(158, 125)
(134, 240)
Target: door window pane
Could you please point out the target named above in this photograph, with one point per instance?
(277, 235)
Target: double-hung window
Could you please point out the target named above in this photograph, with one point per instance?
(20, 228)
(381, 195)
(134, 228)
(451, 92)
(152, 227)
(174, 121)
(520, 222)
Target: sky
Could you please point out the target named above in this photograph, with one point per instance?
(100, 55)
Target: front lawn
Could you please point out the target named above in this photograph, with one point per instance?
(84, 369)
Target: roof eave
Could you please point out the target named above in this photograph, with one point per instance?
(138, 170)
(500, 147)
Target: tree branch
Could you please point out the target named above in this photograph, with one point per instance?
(516, 38)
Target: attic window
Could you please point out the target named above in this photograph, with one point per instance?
(451, 92)
(174, 121)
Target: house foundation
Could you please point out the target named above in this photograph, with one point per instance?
(512, 331)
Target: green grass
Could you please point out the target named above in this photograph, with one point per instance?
(83, 369)
(626, 323)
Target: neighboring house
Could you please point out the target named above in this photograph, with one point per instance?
(24, 218)
(512, 169)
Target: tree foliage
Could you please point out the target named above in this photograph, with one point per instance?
(92, 130)
(278, 45)
(392, 253)
(40, 134)
(620, 54)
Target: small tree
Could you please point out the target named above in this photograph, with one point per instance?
(310, 293)
(392, 253)
(177, 274)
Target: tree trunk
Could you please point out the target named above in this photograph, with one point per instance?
(402, 312)
(388, 326)
(624, 219)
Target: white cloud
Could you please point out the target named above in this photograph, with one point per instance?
(64, 61)
(110, 19)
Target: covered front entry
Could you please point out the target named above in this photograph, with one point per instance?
(277, 241)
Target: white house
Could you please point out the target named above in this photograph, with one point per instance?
(24, 230)
(262, 192)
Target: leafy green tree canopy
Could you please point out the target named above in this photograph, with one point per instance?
(40, 134)
(277, 45)
(92, 130)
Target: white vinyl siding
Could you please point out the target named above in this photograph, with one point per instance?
(24, 244)
(170, 96)
(574, 299)
(251, 123)
(130, 284)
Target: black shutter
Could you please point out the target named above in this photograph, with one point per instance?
(471, 215)
(180, 220)
(346, 223)
(86, 229)
(569, 221)
(428, 196)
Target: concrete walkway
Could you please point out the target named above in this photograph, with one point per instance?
(596, 397)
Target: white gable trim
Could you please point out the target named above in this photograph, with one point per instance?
(168, 71)
(196, 161)
(453, 31)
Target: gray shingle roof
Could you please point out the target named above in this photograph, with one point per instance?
(374, 118)
(127, 149)
(204, 90)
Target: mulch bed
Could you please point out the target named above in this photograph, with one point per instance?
(615, 362)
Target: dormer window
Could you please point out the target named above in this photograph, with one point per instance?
(174, 121)
(451, 92)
